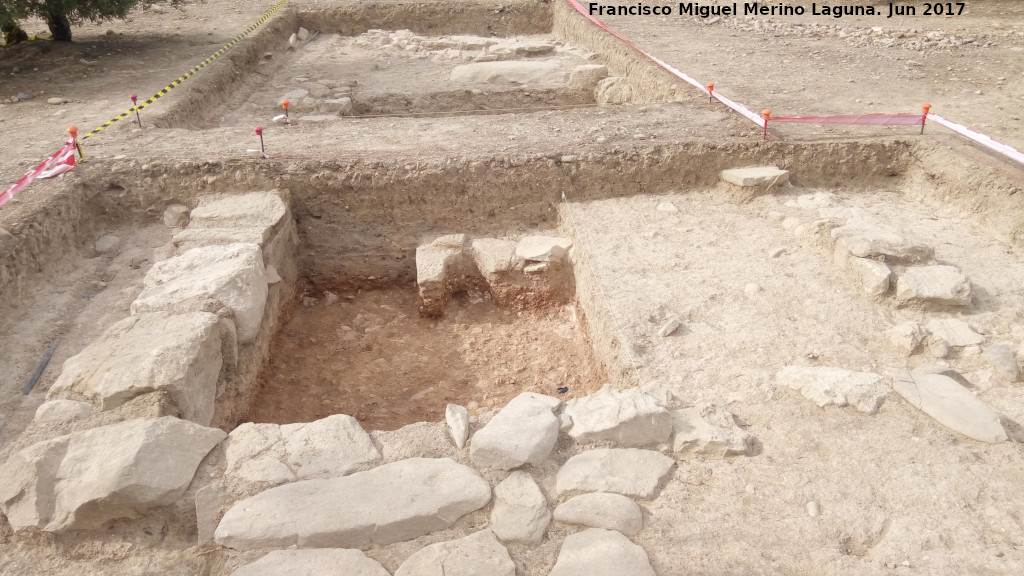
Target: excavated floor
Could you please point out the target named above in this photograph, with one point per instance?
(369, 354)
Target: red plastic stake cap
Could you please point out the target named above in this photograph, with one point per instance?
(711, 86)
(766, 113)
(134, 97)
(285, 104)
(73, 131)
(259, 130)
(926, 107)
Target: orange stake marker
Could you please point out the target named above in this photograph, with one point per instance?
(924, 114)
(766, 113)
(73, 132)
(711, 92)
(285, 104)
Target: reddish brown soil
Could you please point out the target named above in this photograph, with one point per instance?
(369, 354)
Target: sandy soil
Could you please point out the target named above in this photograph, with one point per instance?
(371, 355)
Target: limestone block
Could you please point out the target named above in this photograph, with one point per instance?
(457, 418)
(543, 248)
(493, 256)
(544, 72)
(210, 502)
(226, 280)
(273, 454)
(416, 440)
(391, 503)
(906, 335)
(954, 332)
(327, 448)
(340, 106)
(478, 554)
(613, 90)
(874, 276)
(709, 429)
(180, 354)
(520, 511)
(325, 562)
(629, 418)
(828, 386)
(586, 76)
(954, 406)
(755, 176)
(520, 48)
(176, 216)
(1003, 359)
(523, 432)
(598, 552)
(627, 471)
(60, 411)
(438, 265)
(84, 479)
(601, 510)
(939, 284)
(866, 238)
(261, 218)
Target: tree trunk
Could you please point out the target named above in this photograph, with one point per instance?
(60, 28)
(13, 33)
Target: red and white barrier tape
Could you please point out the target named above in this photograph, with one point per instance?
(60, 162)
(902, 119)
(1003, 149)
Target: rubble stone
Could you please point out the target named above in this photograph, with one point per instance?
(84, 479)
(523, 432)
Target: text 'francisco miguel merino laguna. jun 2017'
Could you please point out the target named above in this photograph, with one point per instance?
(778, 9)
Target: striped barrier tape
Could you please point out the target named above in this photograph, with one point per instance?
(266, 16)
(1003, 149)
(58, 163)
(902, 119)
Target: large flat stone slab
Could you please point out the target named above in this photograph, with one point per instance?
(326, 562)
(225, 280)
(867, 238)
(523, 432)
(828, 386)
(934, 284)
(479, 554)
(84, 479)
(391, 503)
(176, 353)
(755, 176)
(627, 471)
(954, 406)
(531, 72)
(630, 418)
(954, 332)
(601, 510)
(598, 552)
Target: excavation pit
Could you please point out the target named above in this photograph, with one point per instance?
(369, 354)
(382, 72)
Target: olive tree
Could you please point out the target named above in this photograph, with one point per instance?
(61, 14)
